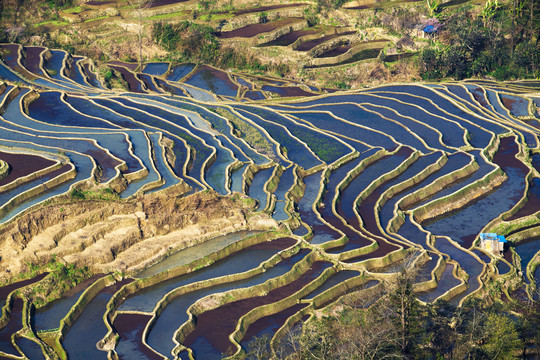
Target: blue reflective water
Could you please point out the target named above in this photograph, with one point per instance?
(286, 181)
(157, 69)
(325, 121)
(293, 149)
(321, 232)
(175, 314)
(257, 187)
(81, 339)
(237, 179)
(446, 282)
(30, 348)
(179, 71)
(146, 299)
(333, 281)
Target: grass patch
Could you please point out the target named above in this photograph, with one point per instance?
(98, 18)
(168, 16)
(74, 10)
(52, 22)
(103, 194)
(249, 133)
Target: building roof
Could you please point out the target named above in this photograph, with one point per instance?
(492, 237)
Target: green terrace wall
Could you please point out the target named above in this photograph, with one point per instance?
(4, 170)
(437, 185)
(461, 197)
(220, 299)
(273, 308)
(240, 21)
(60, 179)
(24, 179)
(139, 284)
(336, 60)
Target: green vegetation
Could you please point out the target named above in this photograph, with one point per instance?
(501, 41)
(171, 15)
(94, 19)
(73, 10)
(188, 41)
(61, 278)
(249, 133)
(103, 194)
(397, 326)
(52, 22)
(112, 79)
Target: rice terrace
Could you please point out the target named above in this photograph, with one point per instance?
(202, 210)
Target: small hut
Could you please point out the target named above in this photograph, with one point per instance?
(492, 242)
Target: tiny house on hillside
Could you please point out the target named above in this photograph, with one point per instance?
(492, 242)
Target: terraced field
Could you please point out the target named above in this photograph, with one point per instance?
(215, 215)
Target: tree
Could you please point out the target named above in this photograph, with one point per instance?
(140, 6)
(405, 312)
(501, 339)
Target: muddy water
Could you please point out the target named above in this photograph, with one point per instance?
(268, 325)
(132, 80)
(5, 290)
(533, 202)
(290, 38)
(215, 325)
(333, 281)
(22, 165)
(32, 59)
(347, 204)
(175, 314)
(14, 325)
(335, 52)
(130, 346)
(84, 167)
(6, 196)
(255, 29)
(517, 105)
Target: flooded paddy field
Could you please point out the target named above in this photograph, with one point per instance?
(212, 222)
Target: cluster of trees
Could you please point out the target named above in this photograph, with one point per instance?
(188, 41)
(397, 326)
(500, 41)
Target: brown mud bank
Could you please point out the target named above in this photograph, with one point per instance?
(115, 235)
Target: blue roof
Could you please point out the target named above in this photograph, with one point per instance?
(492, 236)
(429, 29)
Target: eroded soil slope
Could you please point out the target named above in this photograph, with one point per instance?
(120, 236)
